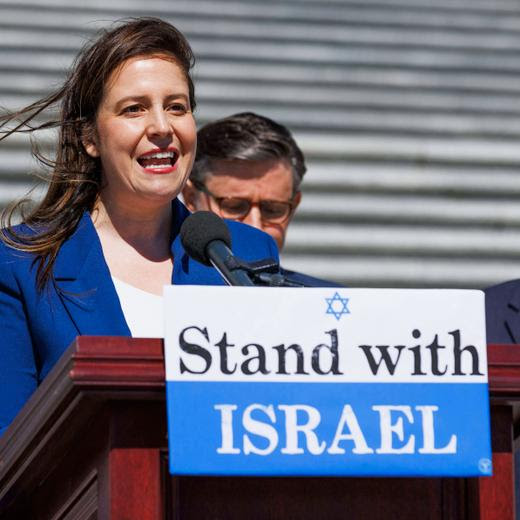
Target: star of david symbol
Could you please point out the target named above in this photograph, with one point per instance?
(484, 465)
(337, 306)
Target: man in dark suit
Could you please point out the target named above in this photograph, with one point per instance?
(249, 168)
(503, 326)
(503, 312)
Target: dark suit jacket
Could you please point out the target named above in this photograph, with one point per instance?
(36, 327)
(503, 326)
(503, 312)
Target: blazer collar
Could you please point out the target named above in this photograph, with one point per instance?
(85, 282)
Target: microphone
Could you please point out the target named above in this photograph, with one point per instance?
(206, 238)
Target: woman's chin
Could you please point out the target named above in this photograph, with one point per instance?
(159, 199)
(160, 190)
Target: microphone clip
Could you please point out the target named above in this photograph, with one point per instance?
(264, 273)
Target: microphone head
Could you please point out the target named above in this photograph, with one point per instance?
(198, 230)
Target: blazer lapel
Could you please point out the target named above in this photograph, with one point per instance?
(86, 287)
(185, 270)
(85, 283)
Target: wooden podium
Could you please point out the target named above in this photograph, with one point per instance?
(92, 443)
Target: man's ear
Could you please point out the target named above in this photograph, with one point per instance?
(296, 200)
(190, 194)
(89, 141)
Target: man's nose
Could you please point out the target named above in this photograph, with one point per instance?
(254, 217)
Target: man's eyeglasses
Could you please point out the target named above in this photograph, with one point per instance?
(237, 208)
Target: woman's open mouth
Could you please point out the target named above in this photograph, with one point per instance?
(159, 162)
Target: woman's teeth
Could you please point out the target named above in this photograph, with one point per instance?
(158, 160)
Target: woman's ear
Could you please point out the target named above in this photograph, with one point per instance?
(89, 141)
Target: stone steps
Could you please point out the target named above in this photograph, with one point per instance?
(414, 272)
(407, 110)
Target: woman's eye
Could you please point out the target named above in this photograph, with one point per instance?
(178, 108)
(132, 109)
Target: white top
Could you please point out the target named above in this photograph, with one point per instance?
(143, 311)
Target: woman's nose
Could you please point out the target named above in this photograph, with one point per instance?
(158, 124)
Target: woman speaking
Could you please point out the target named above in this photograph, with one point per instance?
(92, 258)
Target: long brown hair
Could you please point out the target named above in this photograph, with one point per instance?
(75, 179)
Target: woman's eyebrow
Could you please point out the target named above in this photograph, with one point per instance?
(126, 99)
(143, 99)
(120, 102)
(177, 96)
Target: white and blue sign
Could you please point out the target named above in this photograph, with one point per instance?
(350, 382)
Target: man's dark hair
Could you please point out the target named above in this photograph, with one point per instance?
(247, 137)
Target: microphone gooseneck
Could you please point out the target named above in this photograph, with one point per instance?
(206, 238)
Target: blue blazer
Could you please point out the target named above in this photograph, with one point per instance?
(503, 312)
(36, 327)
